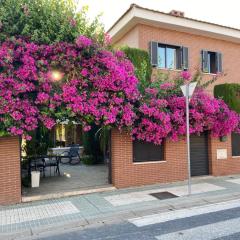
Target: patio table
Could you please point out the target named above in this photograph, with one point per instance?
(60, 150)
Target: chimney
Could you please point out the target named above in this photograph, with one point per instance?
(177, 13)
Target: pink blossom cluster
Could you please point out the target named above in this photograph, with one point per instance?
(158, 118)
(88, 84)
(96, 85)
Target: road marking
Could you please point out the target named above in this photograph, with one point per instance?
(25, 214)
(206, 232)
(143, 196)
(183, 213)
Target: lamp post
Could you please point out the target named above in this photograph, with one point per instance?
(188, 90)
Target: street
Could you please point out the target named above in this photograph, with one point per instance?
(215, 221)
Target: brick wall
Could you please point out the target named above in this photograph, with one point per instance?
(221, 167)
(125, 173)
(10, 183)
(195, 43)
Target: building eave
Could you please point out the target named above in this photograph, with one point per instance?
(138, 15)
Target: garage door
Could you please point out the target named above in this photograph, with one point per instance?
(199, 155)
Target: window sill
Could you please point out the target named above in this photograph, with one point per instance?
(211, 74)
(169, 69)
(235, 156)
(150, 162)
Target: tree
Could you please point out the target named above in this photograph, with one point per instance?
(47, 21)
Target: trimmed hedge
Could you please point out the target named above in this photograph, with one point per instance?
(141, 61)
(230, 93)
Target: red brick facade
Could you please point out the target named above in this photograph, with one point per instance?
(10, 180)
(126, 173)
(222, 167)
(195, 44)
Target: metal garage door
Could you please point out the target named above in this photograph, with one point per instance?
(199, 155)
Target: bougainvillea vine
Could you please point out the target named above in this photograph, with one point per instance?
(85, 83)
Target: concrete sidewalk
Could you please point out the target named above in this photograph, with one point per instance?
(31, 219)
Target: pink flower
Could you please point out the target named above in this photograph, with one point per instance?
(186, 75)
(84, 72)
(86, 128)
(83, 42)
(73, 22)
(167, 86)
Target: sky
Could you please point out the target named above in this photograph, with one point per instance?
(224, 12)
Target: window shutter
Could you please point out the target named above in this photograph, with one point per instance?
(184, 58)
(219, 62)
(179, 58)
(205, 61)
(154, 53)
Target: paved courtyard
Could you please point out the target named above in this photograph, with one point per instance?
(72, 178)
(31, 219)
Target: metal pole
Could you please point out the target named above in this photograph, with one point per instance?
(188, 140)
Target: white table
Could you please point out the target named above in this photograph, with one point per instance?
(61, 150)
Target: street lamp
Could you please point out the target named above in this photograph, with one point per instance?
(188, 90)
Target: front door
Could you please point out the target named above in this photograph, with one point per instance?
(199, 155)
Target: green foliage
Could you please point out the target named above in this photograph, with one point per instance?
(47, 21)
(91, 144)
(141, 61)
(40, 142)
(88, 159)
(230, 93)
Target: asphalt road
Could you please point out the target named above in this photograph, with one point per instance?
(218, 222)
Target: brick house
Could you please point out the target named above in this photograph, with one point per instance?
(175, 43)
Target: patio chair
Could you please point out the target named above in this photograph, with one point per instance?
(52, 161)
(36, 163)
(72, 156)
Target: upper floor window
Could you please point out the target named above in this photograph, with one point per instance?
(211, 62)
(168, 56)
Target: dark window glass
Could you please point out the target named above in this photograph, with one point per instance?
(145, 152)
(235, 144)
(212, 62)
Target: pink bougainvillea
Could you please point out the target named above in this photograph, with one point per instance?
(82, 82)
(160, 116)
(86, 83)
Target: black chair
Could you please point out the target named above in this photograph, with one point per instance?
(52, 161)
(72, 156)
(36, 163)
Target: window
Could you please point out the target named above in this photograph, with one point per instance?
(147, 152)
(235, 144)
(168, 56)
(211, 62)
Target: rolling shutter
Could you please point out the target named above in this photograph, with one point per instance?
(205, 61)
(153, 53)
(184, 58)
(199, 155)
(219, 62)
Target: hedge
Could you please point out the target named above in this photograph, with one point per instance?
(230, 93)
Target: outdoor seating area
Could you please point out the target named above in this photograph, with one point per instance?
(70, 178)
(56, 165)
